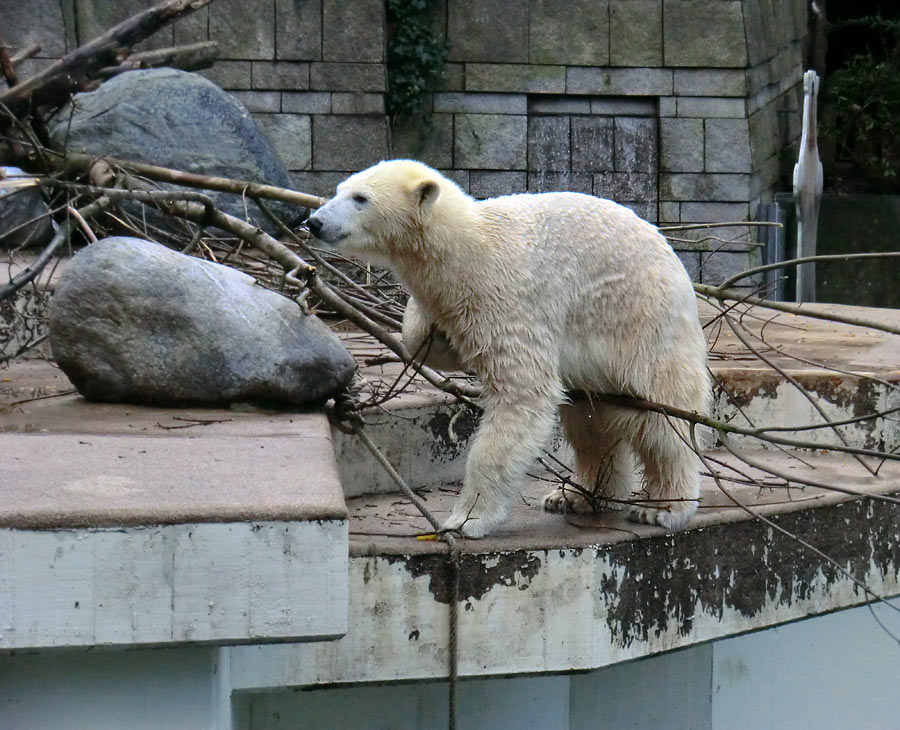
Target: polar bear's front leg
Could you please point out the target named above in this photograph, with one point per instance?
(425, 342)
(511, 435)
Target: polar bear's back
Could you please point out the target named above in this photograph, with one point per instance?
(574, 224)
(609, 284)
(584, 242)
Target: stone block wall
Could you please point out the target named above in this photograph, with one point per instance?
(681, 109)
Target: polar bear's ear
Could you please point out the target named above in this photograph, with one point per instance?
(427, 192)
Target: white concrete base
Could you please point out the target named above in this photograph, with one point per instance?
(168, 584)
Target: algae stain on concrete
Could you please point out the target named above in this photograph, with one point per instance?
(478, 574)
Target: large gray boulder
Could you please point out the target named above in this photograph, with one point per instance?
(24, 215)
(178, 119)
(133, 321)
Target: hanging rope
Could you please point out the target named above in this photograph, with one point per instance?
(346, 410)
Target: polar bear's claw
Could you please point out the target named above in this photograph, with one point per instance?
(672, 517)
(569, 501)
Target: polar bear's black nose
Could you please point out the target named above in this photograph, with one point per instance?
(314, 225)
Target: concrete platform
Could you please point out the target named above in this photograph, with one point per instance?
(72, 463)
(386, 524)
(616, 591)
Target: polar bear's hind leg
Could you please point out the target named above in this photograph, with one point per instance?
(604, 461)
(671, 472)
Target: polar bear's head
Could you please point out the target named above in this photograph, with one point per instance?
(380, 213)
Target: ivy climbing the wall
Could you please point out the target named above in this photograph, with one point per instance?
(416, 55)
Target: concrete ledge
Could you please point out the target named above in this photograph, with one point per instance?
(385, 525)
(173, 584)
(124, 526)
(580, 608)
(93, 481)
(72, 463)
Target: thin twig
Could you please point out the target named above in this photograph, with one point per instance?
(798, 309)
(805, 260)
(82, 224)
(61, 237)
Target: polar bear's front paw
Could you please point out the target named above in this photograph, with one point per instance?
(565, 500)
(473, 516)
(672, 516)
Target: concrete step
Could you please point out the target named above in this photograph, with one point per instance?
(812, 370)
(122, 525)
(787, 370)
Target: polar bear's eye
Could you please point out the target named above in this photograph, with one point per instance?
(361, 199)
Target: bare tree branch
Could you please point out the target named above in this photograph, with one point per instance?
(75, 163)
(189, 57)
(805, 260)
(64, 76)
(803, 310)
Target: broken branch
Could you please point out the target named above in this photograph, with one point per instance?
(59, 79)
(188, 58)
(79, 162)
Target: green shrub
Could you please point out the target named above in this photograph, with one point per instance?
(415, 56)
(863, 99)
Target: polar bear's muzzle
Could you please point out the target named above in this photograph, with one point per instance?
(325, 231)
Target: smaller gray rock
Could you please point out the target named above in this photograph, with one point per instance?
(24, 215)
(134, 321)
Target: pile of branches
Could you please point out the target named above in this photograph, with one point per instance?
(86, 193)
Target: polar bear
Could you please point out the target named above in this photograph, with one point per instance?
(540, 294)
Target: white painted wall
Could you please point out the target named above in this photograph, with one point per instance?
(527, 703)
(833, 672)
(149, 689)
(660, 693)
(828, 673)
(666, 692)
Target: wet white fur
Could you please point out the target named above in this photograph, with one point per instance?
(539, 294)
